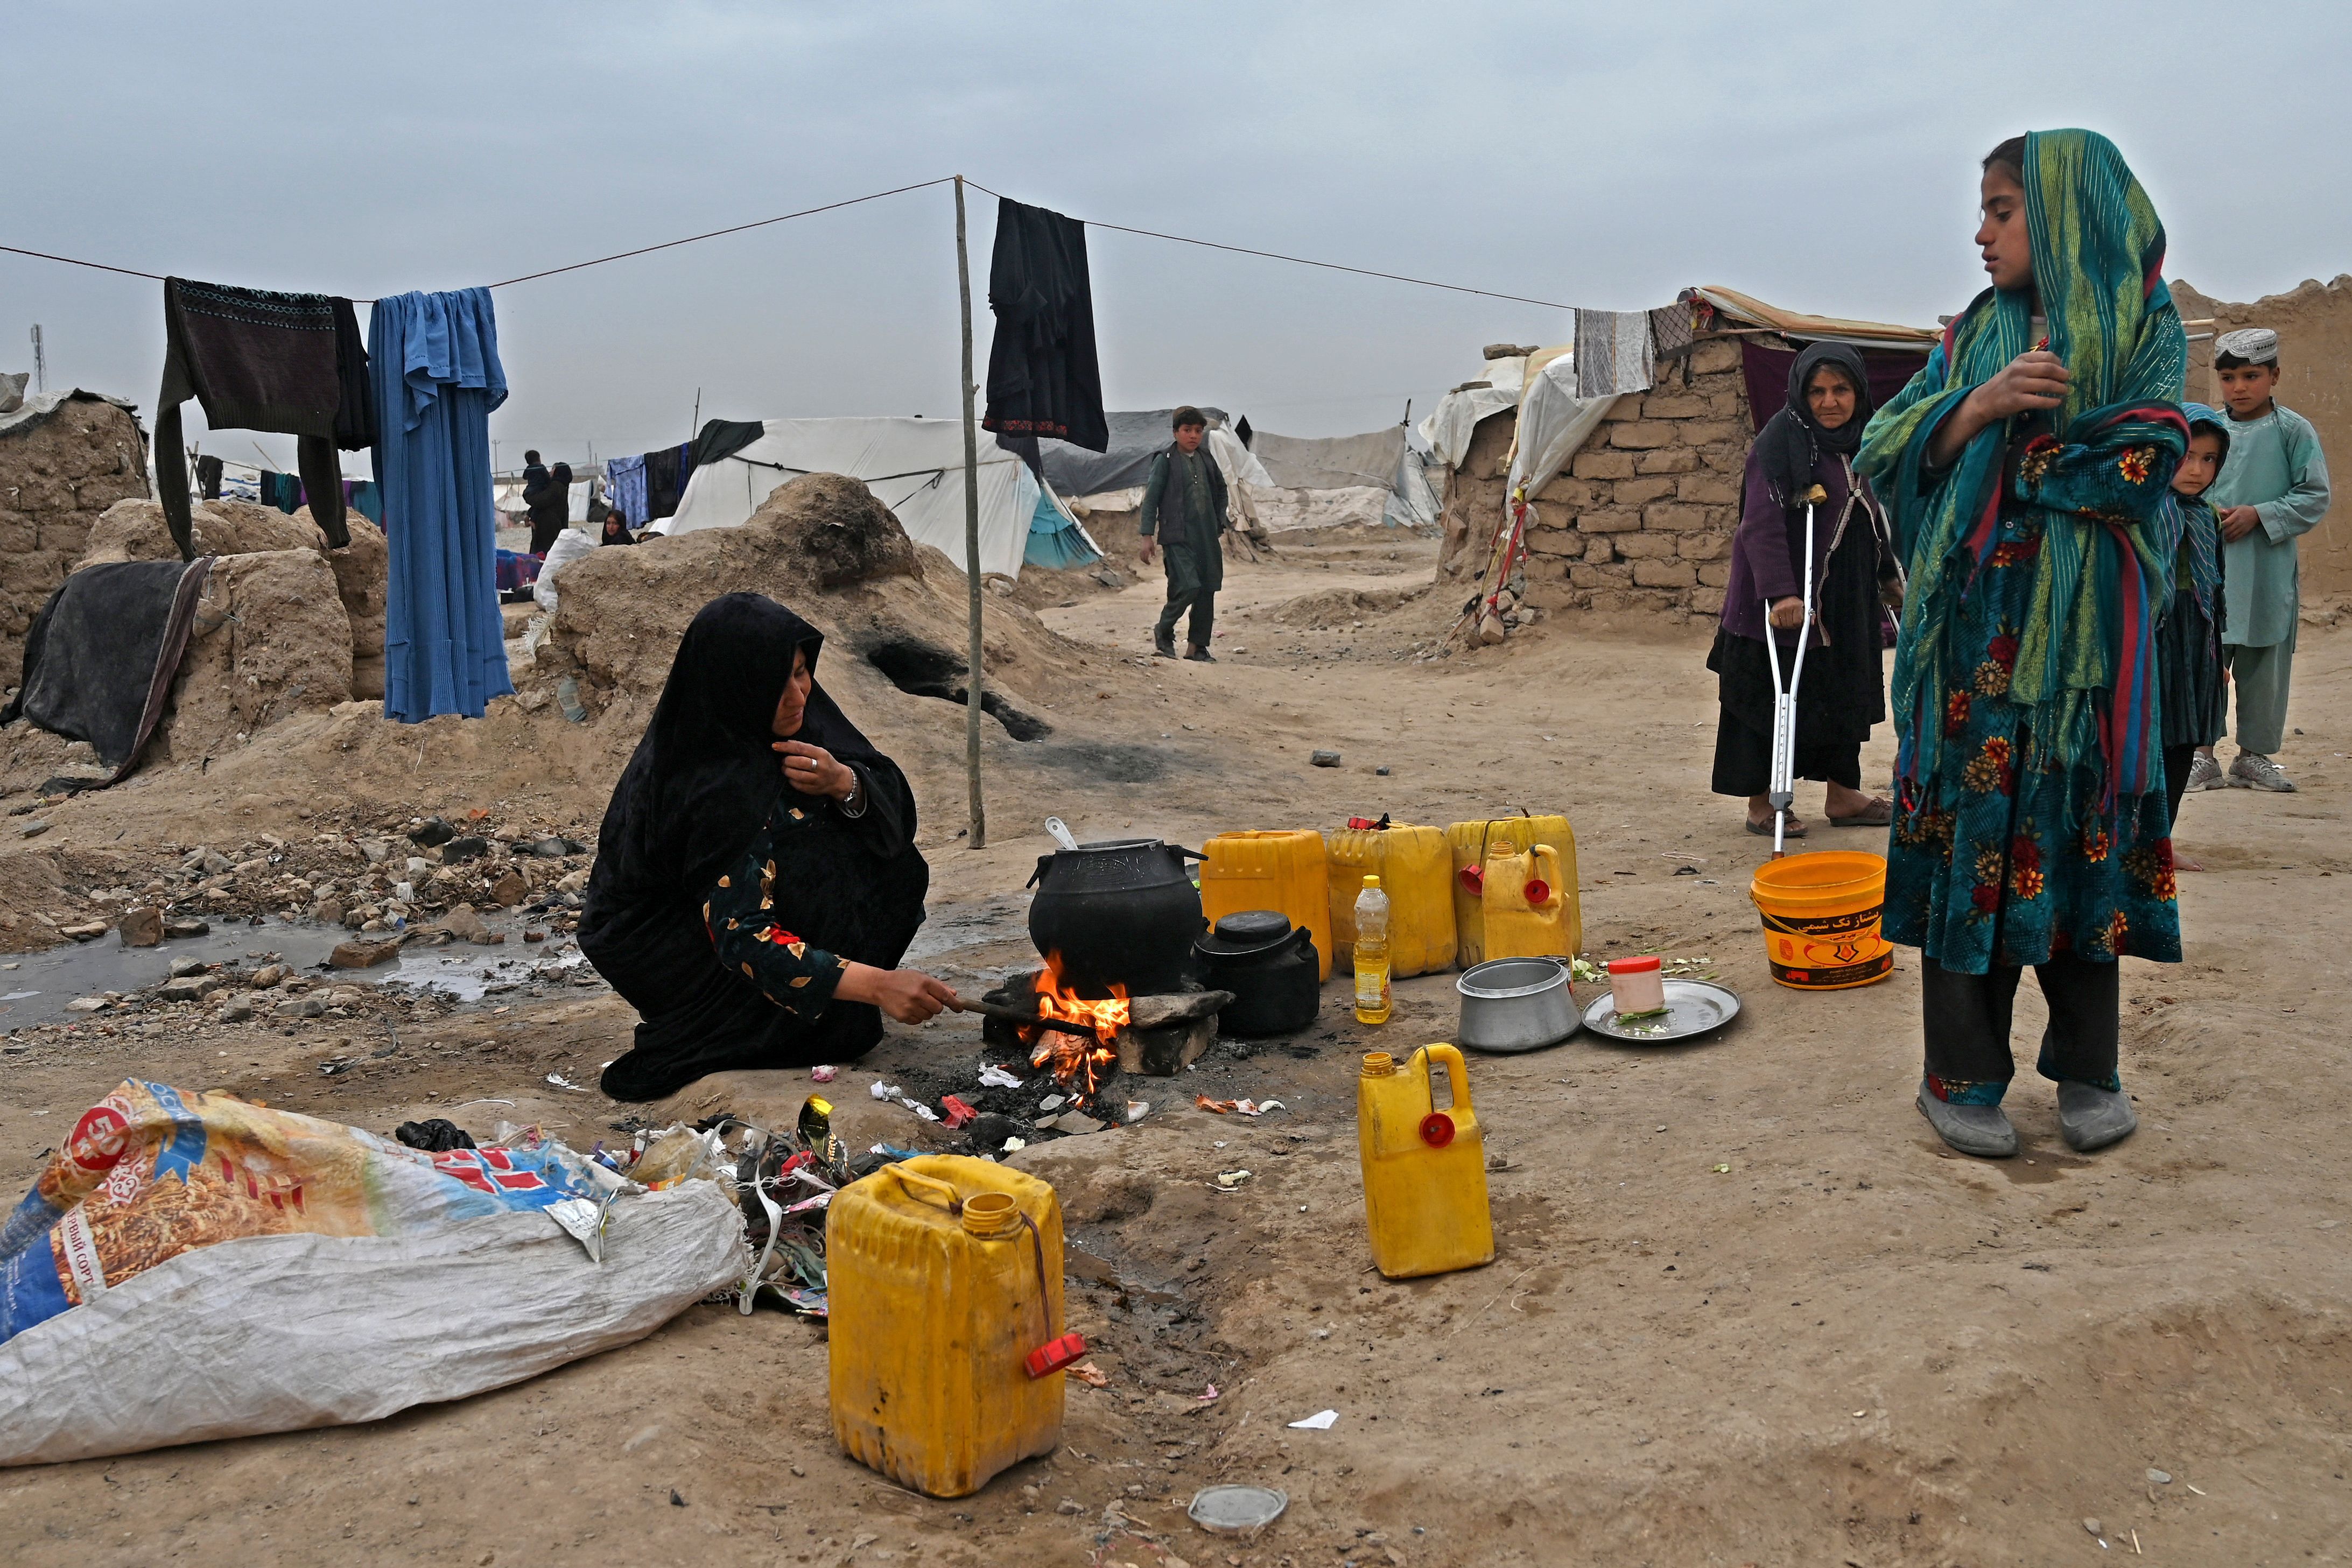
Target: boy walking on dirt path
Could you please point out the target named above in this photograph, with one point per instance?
(2273, 488)
(1184, 505)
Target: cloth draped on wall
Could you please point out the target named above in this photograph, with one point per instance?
(289, 363)
(102, 655)
(438, 377)
(625, 477)
(1766, 373)
(1043, 378)
(1613, 352)
(2029, 816)
(704, 790)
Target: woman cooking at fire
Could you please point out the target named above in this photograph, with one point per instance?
(757, 880)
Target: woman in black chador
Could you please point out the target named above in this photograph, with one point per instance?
(757, 880)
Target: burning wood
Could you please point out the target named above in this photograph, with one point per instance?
(1073, 1054)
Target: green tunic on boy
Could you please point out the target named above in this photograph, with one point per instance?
(2277, 467)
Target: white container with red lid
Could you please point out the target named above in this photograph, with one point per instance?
(1636, 986)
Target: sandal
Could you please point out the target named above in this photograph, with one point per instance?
(1763, 830)
(1877, 814)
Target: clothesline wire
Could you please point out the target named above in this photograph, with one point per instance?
(1299, 260)
(876, 196)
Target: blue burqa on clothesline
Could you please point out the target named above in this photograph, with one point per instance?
(435, 362)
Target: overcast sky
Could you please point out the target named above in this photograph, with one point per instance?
(1820, 156)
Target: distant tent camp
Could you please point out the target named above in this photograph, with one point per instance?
(1136, 438)
(915, 466)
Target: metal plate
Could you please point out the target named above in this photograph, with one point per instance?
(1693, 1007)
(1237, 1509)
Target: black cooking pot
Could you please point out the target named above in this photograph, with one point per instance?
(1271, 968)
(1119, 912)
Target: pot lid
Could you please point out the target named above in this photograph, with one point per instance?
(1250, 931)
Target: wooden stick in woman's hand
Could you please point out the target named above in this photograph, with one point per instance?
(1015, 1015)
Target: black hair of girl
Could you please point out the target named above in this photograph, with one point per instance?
(2009, 155)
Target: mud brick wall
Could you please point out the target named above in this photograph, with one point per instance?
(1643, 517)
(56, 477)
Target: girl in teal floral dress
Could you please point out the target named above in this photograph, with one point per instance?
(2025, 469)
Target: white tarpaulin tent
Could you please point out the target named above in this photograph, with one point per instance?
(914, 467)
(1553, 423)
(1447, 429)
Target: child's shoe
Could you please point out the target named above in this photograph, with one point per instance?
(2248, 772)
(2204, 773)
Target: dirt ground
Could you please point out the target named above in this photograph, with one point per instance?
(1849, 1347)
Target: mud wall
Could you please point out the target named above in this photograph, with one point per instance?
(2313, 322)
(1643, 517)
(56, 476)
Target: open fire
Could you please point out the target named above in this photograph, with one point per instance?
(1071, 1055)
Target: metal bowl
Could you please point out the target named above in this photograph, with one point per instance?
(1515, 1004)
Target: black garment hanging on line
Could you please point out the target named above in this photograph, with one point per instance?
(290, 363)
(1043, 375)
(666, 473)
(209, 478)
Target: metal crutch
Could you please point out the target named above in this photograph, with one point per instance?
(1781, 783)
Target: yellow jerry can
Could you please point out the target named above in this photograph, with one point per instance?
(1471, 842)
(1283, 871)
(1525, 910)
(1424, 1168)
(944, 1276)
(1415, 869)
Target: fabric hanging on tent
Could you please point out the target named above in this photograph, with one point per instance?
(209, 478)
(437, 378)
(262, 360)
(665, 475)
(626, 476)
(1613, 352)
(1056, 540)
(724, 438)
(1124, 462)
(1043, 375)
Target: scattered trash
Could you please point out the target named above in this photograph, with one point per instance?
(893, 1153)
(1238, 1107)
(881, 1091)
(995, 1077)
(2159, 1478)
(920, 1109)
(1236, 1509)
(111, 1204)
(1052, 1102)
(1723, 1170)
(437, 1136)
(562, 1083)
(1321, 1421)
(1228, 1180)
(1381, 770)
(1013, 1146)
(1093, 1376)
(823, 1074)
(955, 1113)
(1137, 1109)
(1210, 1397)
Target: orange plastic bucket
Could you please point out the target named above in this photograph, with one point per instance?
(1821, 919)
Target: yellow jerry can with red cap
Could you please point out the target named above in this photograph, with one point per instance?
(1287, 871)
(944, 1283)
(1424, 1166)
(1524, 911)
(1472, 841)
(1415, 871)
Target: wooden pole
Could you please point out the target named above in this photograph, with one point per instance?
(974, 674)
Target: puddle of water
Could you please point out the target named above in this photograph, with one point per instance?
(46, 981)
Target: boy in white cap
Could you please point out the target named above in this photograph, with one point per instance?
(2274, 487)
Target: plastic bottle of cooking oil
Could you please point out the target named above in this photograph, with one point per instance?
(1371, 953)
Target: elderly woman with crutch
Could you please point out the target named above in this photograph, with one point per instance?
(1801, 473)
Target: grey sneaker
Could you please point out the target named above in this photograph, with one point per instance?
(2205, 773)
(2248, 772)
(1980, 1130)
(2090, 1117)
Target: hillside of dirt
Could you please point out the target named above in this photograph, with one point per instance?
(1746, 1309)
